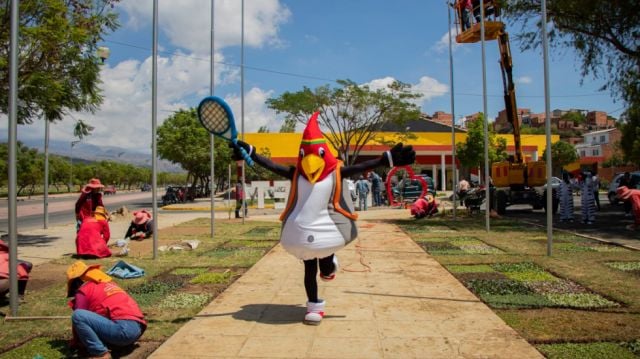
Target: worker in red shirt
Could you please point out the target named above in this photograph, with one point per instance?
(633, 196)
(93, 236)
(103, 313)
(23, 269)
(90, 198)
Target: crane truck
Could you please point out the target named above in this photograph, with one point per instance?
(516, 181)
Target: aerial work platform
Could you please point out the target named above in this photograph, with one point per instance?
(492, 29)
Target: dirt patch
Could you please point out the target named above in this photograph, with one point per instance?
(46, 275)
(140, 350)
(566, 325)
(184, 230)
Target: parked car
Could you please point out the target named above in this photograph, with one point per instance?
(615, 182)
(555, 183)
(410, 189)
(145, 187)
(109, 190)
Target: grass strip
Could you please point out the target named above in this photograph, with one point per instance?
(585, 351)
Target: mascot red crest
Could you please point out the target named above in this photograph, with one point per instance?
(315, 161)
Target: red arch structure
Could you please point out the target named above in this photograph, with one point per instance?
(392, 200)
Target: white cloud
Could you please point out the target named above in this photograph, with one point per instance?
(524, 80)
(442, 46)
(427, 87)
(187, 23)
(124, 119)
(380, 84)
(256, 112)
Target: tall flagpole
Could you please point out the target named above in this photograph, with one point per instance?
(485, 122)
(13, 175)
(547, 114)
(45, 202)
(244, 189)
(154, 124)
(454, 173)
(211, 138)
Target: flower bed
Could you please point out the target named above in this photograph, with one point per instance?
(526, 285)
(457, 245)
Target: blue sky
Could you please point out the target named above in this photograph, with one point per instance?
(290, 44)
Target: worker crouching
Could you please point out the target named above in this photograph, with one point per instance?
(104, 315)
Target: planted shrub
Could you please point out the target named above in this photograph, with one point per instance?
(580, 300)
(585, 351)
(184, 300)
(211, 278)
(189, 271)
(470, 268)
(150, 292)
(531, 276)
(516, 300)
(498, 287)
(624, 266)
(517, 267)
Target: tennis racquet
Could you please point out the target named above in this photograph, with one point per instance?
(215, 115)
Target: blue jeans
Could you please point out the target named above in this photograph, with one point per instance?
(362, 202)
(377, 198)
(94, 331)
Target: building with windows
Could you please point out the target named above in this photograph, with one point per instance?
(431, 140)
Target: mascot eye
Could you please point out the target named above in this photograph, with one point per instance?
(301, 153)
(321, 152)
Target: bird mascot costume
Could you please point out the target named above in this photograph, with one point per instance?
(319, 217)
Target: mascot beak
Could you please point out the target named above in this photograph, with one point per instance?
(312, 165)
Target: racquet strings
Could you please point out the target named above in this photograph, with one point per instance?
(214, 117)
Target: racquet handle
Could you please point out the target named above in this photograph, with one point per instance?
(244, 153)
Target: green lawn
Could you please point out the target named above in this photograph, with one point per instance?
(579, 303)
(170, 293)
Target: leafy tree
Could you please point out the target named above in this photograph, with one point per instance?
(183, 140)
(630, 141)
(59, 170)
(562, 154)
(605, 35)
(263, 129)
(221, 163)
(528, 130)
(574, 116)
(352, 114)
(258, 172)
(471, 152)
(289, 125)
(59, 68)
(30, 167)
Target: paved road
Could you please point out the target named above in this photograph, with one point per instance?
(62, 208)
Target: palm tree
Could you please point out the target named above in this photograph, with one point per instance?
(82, 129)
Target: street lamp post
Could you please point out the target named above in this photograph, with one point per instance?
(73, 143)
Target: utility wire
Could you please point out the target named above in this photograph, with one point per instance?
(311, 77)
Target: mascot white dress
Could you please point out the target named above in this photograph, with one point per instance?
(319, 218)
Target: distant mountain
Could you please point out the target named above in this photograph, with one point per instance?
(89, 152)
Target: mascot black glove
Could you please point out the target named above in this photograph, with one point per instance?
(237, 155)
(400, 155)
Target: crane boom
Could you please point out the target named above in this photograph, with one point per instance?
(510, 106)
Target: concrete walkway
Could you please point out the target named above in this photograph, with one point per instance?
(389, 300)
